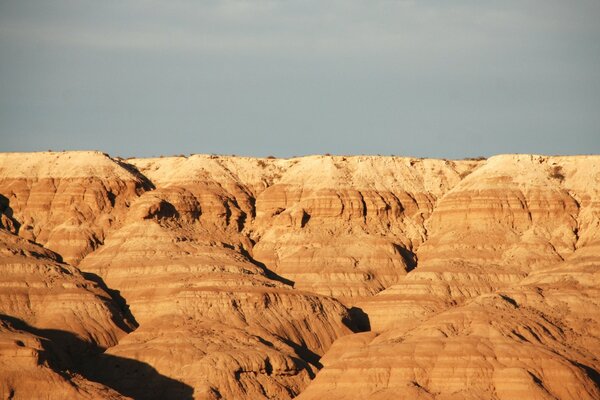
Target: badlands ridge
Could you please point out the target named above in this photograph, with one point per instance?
(321, 277)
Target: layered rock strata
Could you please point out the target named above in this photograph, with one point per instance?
(504, 301)
(67, 201)
(215, 277)
(209, 315)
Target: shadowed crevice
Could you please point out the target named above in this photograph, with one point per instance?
(6, 214)
(132, 169)
(269, 273)
(359, 320)
(309, 357)
(591, 373)
(409, 257)
(117, 299)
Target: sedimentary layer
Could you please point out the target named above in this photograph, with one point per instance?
(314, 277)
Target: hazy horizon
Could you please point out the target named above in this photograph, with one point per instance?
(423, 79)
(117, 155)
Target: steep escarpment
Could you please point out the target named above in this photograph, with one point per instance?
(41, 291)
(67, 201)
(231, 277)
(31, 367)
(492, 347)
(340, 226)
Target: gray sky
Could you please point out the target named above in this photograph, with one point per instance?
(424, 78)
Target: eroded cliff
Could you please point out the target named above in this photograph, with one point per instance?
(325, 276)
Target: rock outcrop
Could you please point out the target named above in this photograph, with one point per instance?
(51, 318)
(210, 315)
(67, 201)
(32, 367)
(214, 277)
(348, 226)
(504, 302)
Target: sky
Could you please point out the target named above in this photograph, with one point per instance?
(444, 79)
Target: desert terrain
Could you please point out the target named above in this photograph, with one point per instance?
(317, 277)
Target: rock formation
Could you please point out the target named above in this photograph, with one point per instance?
(336, 277)
(67, 201)
(77, 319)
(504, 302)
(347, 226)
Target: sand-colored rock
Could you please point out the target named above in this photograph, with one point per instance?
(209, 316)
(491, 348)
(50, 317)
(30, 370)
(215, 277)
(348, 226)
(538, 339)
(45, 293)
(504, 301)
(506, 219)
(67, 201)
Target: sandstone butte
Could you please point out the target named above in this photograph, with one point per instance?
(320, 277)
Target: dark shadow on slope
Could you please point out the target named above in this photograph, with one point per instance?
(269, 274)
(117, 299)
(509, 300)
(305, 354)
(134, 378)
(591, 373)
(409, 257)
(7, 211)
(67, 352)
(359, 320)
(305, 219)
(146, 183)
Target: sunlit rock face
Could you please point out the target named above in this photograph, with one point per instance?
(347, 227)
(509, 218)
(209, 314)
(358, 277)
(51, 316)
(503, 302)
(67, 201)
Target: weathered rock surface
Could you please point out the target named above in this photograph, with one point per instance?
(215, 277)
(51, 318)
(66, 201)
(347, 226)
(510, 217)
(492, 347)
(209, 315)
(31, 370)
(41, 291)
(504, 302)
